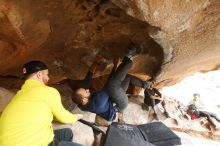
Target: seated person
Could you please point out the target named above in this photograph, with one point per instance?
(196, 113)
(151, 98)
(197, 101)
(114, 91)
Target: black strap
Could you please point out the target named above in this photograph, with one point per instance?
(92, 125)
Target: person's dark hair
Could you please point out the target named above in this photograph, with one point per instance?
(196, 94)
(77, 98)
(192, 109)
(32, 67)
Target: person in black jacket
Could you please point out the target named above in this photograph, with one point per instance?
(152, 97)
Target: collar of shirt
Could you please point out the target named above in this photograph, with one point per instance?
(31, 83)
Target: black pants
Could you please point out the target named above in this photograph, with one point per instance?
(63, 137)
(152, 102)
(118, 83)
(209, 117)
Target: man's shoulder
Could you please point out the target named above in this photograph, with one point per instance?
(101, 93)
(100, 98)
(50, 90)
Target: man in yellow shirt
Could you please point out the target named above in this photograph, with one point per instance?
(27, 119)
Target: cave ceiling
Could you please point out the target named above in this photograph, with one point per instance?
(177, 37)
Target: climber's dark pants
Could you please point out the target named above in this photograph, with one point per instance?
(63, 137)
(118, 83)
(115, 86)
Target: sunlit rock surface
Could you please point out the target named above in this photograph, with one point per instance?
(187, 30)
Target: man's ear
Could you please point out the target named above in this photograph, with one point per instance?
(39, 74)
(84, 101)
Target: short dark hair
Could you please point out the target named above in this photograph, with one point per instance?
(192, 109)
(32, 67)
(196, 94)
(77, 98)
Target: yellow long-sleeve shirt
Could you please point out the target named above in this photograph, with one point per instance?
(27, 119)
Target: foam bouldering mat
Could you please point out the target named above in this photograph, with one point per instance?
(125, 135)
(152, 134)
(159, 134)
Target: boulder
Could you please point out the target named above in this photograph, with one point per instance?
(5, 97)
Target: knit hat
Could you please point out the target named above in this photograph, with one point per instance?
(33, 66)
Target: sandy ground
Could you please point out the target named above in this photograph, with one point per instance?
(188, 140)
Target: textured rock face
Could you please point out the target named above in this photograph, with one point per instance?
(187, 30)
(20, 34)
(5, 97)
(182, 35)
(67, 34)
